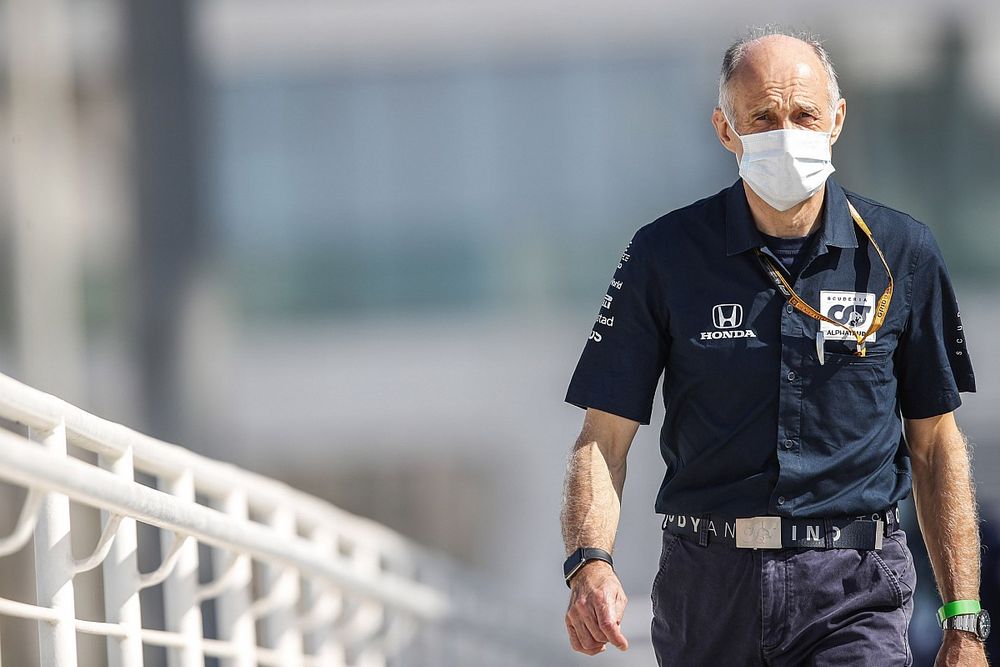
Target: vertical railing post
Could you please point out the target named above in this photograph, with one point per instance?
(182, 611)
(232, 607)
(280, 625)
(121, 576)
(365, 559)
(54, 565)
(329, 652)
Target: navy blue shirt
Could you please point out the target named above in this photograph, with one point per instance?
(754, 424)
(790, 250)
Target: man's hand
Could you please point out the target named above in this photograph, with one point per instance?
(961, 649)
(596, 606)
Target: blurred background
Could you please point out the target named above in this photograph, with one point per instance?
(358, 245)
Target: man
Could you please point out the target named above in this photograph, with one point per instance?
(814, 355)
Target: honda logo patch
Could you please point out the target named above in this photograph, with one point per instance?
(727, 318)
(727, 315)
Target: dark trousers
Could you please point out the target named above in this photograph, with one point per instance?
(717, 605)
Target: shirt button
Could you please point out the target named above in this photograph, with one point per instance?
(791, 376)
(789, 308)
(781, 500)
(788, 444)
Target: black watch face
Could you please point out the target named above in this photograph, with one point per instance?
(983, 625)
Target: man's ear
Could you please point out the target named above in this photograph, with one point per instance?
(727, 137)
(840, 113)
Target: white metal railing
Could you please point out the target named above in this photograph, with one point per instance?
(296, 581)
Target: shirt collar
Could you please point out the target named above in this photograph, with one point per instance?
(837, 227)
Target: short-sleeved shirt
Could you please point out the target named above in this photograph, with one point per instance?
(754, 424)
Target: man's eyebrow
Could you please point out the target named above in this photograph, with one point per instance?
(764, 108)
(807, 106)
(802, 105)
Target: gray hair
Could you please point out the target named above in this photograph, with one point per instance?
(735, 53)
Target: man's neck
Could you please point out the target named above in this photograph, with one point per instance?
(800, 220)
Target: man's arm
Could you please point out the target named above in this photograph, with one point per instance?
(595, 478)
(944, 495)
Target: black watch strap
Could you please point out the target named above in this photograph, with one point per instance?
(581, 556)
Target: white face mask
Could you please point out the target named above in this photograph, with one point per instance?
(785, 167)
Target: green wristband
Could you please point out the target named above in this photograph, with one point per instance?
(958, 607)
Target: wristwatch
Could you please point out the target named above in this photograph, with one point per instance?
(581, 556)
(965, 615)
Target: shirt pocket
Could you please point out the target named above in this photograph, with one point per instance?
(845, 395)
(845, 367)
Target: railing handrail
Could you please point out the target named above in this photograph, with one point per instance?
(38, 410)
(23, 462)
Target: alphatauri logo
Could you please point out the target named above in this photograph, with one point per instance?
(727, 318)
(855, 310)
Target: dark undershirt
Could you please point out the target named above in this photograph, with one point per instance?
(791, 251)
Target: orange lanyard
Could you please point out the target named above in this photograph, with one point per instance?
(881, 308)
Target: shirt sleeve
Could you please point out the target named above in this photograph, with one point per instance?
(933, 358)
(625, 352)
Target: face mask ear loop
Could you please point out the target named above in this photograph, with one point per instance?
(739, 158)
(730, 124)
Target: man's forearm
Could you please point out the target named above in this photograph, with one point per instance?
(591, 499)
(946, 510)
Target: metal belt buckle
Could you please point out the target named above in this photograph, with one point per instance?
(879, 532)
(758, 532)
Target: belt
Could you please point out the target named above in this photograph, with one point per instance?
(777, 532)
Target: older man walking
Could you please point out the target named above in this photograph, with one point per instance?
(813, 354)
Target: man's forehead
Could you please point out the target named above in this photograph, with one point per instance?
(781, 50)
(780, 64)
